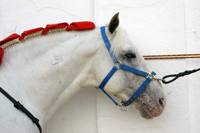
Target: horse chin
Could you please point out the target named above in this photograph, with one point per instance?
(147, 114)
(145, 111)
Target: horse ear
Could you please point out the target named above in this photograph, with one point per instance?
(114, 23)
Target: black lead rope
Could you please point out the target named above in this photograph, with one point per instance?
(176, 76)
(19, 106)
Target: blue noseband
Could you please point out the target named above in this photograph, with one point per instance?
(149, 76)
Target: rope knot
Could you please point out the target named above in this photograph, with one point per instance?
(182, 74)
(68, 28)
(18, 105)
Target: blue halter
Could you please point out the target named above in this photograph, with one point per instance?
(149, 76)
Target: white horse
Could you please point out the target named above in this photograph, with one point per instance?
(46, 71)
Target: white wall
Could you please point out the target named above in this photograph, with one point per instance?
(156, 27)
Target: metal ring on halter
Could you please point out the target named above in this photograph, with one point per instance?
(151, 75)
(122, 107)
(118, 62)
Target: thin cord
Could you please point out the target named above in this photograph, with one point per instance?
(174, 56)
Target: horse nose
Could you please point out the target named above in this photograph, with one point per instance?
(162, 102)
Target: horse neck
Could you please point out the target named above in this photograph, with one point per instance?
(48, 70)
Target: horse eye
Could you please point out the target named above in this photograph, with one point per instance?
(130, 55)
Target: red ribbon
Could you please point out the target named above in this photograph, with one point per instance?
(1, 54)
(54, 26)
(82, 25)
(10, 38)
(74, 25)
(30, 32)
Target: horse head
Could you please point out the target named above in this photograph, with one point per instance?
(123, 84)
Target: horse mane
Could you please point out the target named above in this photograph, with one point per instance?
(50, 28)
(15, 38)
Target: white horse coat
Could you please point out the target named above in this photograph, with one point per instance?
(46, 71)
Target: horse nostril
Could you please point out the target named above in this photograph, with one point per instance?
(161, 101)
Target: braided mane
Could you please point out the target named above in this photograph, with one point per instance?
(50, 28)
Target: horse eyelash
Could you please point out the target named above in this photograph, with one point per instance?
(130, 55)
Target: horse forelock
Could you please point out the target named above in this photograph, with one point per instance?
(118, 41)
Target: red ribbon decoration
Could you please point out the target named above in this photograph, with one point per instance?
(1, 54)
(74, 25)
(10, 38)
(54, 26)
(30, 32)
(82, 25)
